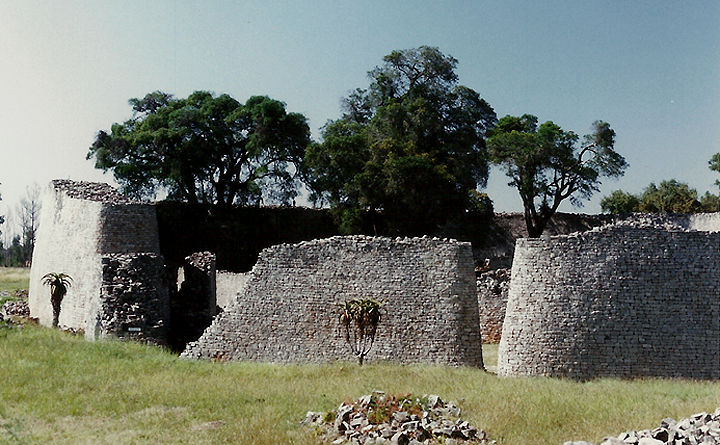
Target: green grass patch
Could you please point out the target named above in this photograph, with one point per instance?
(57, 388)
(14, 278)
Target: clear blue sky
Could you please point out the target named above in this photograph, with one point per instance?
(650, 68)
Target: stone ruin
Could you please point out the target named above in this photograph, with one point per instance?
(638, 298)
(109, 246)
(634, 298)
(288, 310)
(698, 429)
(123, 288)
(379, 418)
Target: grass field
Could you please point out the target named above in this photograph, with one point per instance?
(14, 278)
(56, 388)
(60, 389)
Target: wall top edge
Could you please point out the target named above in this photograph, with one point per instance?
(375, 240)
(619, 230)
(91, 191)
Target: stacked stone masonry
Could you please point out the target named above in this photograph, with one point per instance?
(288, 312)
(627, 300)
(638, 297)
(194, 304)
(94, 234)
(133, 298)
(492, 291)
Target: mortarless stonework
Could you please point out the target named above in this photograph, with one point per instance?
(194, 304)
(492, 290)
(288, 310)
(133, 298)
(84, 229)
(622, 301)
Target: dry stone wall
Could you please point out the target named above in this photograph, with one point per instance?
(194, 304)
(133, 299)
(626, 300)
(287, 312)
(492, 290)
(84, 225)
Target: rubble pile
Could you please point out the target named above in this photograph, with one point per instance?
(702, 428)
(378, 418)
(16, 307)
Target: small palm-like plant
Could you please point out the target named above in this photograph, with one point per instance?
(59, 283)
(360, 318)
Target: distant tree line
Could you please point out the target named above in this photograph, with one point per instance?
(16, 250)
(670, 196)
(414, 147)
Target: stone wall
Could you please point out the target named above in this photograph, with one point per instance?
(627, 300)
(288, 310)
(194, 304)
(133, 299)
(81, 224)
(235, 234)
(492, 290)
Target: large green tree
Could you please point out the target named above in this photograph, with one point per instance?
(205, 149)
(620, 202)
(410, 147)
(549, 165)
(669, 196)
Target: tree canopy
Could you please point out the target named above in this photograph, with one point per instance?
(205, 149)
(714, 164)
(411, 146)
(548, 165)
(670, 196)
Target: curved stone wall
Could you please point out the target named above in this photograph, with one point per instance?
(83, 225)
(287, 312)
(622, 301)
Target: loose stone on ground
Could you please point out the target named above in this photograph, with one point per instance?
(702, 428)
(378, 418)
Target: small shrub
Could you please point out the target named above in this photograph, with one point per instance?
(360, 318)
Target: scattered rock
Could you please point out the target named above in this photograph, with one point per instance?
(17, 308)
(378, 418)
(702, 428)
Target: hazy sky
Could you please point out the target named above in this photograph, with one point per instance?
(649, 68)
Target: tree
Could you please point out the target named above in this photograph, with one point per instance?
(28, 210)
(410, 147)
(714, 164)
(710, 203)
(620, 202)
(360, 319)
(205, 149)
(670, 196)
(549, 165)
(59, 283)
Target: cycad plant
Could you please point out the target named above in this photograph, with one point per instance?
(59, 283)
(360, 318)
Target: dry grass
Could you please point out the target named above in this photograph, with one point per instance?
(59, 389)
(14, 278)
(56, 388)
